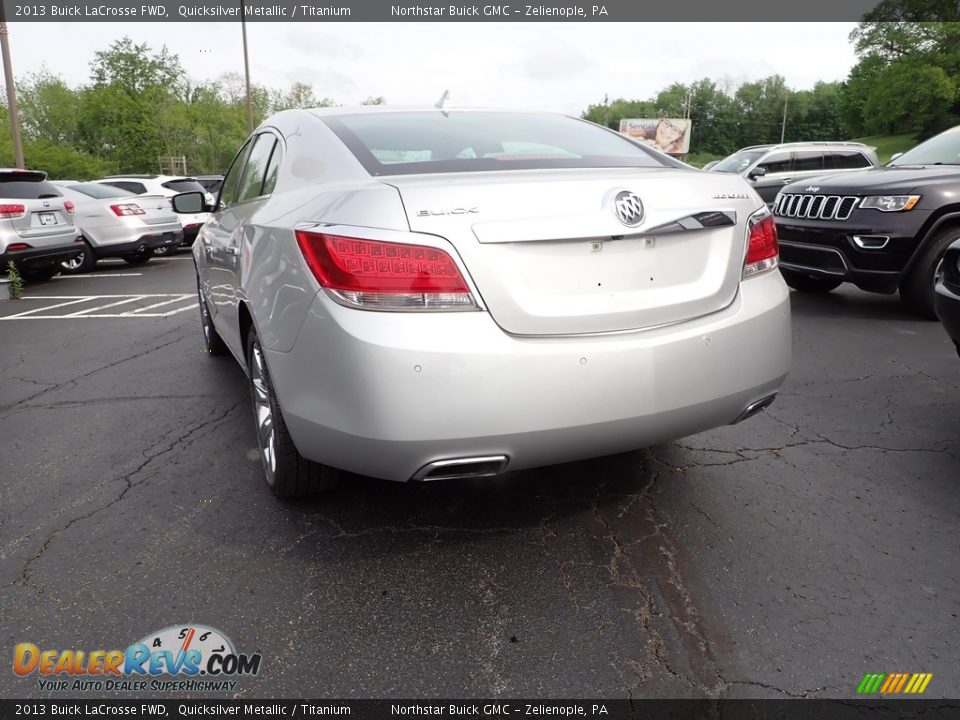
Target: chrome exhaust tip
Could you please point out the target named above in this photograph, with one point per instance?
(470, 467)
(754, 407)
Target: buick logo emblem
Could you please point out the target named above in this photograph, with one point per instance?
(628, 208)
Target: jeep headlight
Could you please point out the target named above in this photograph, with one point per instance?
(890, 203)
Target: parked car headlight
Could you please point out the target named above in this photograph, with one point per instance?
(890, 203)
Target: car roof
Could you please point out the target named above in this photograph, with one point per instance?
(163, 178)
(810, 144)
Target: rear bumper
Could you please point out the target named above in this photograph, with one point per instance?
(151, 240)
(384, 394)
(41, 257)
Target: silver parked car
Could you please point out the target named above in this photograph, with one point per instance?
(167, 186)
(37, 230)
(427, 294)
(118, 223)
(769, 167)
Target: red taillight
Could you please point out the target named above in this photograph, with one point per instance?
(762, 250)
(12, 211)
(385, 275)
(124, 209)
(68, 206)
(13, 247)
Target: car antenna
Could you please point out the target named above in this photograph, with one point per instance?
(442, 104)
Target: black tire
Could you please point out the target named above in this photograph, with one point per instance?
(288, 474)
(917, 288)
(138, 258)
(83, 263)
(808, 283)
(212, 342)
(39, 274)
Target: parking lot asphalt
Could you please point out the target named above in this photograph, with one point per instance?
(785, 556)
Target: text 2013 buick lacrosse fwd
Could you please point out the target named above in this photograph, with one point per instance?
(425, 294)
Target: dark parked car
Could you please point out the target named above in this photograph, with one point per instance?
(947, 301)
(883, 229)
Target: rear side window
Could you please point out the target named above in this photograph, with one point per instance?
(184, 185)
(26, 186)
(256, 167)
(809, 160)
(849, 159)
(405, 143)
(273, 169)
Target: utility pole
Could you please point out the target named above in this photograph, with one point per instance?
(246, 63)
(11, 90)
(783, 125)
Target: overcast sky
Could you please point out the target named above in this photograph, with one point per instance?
(557, 66)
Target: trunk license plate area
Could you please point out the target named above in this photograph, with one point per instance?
(47, 218)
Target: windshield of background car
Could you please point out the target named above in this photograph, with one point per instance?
(99, 191)
(427, 142)
(942, 149)
(26, 186)
(184, 185)
(738, 162)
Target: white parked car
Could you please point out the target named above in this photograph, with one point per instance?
(167, 186)
(428, 294)
(117, 223)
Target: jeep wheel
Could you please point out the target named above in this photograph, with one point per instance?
(808, 283)
(917, 289)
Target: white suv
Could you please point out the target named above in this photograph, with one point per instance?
(168, 186)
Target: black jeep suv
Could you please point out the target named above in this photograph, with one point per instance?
(882, 229)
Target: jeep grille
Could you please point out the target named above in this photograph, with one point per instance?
(815, 207)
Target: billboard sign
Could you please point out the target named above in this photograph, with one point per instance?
(669, 135)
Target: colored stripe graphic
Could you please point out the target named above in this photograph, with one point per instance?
(894, 684)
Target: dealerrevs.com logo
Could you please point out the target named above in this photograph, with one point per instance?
(196, 657)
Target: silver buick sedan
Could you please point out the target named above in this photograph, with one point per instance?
(423, 294)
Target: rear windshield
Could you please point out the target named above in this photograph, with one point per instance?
(98, 190)
(26, 186)
(426, 142)
(184, 185)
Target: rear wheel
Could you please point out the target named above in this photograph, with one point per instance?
(917, 289)
(809, 284)
(84, 262)
(139, 257)
(288, 473)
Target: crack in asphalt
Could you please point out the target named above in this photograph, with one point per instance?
(127, 479)
(72, 382)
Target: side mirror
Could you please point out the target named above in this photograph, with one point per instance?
(188, 203)
(757, 172)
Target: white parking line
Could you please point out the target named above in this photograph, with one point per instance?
(150, 307)
(41, 313)
(89, 311)
(96, 275)
(74, 300)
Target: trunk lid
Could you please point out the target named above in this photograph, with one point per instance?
(550, 257)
